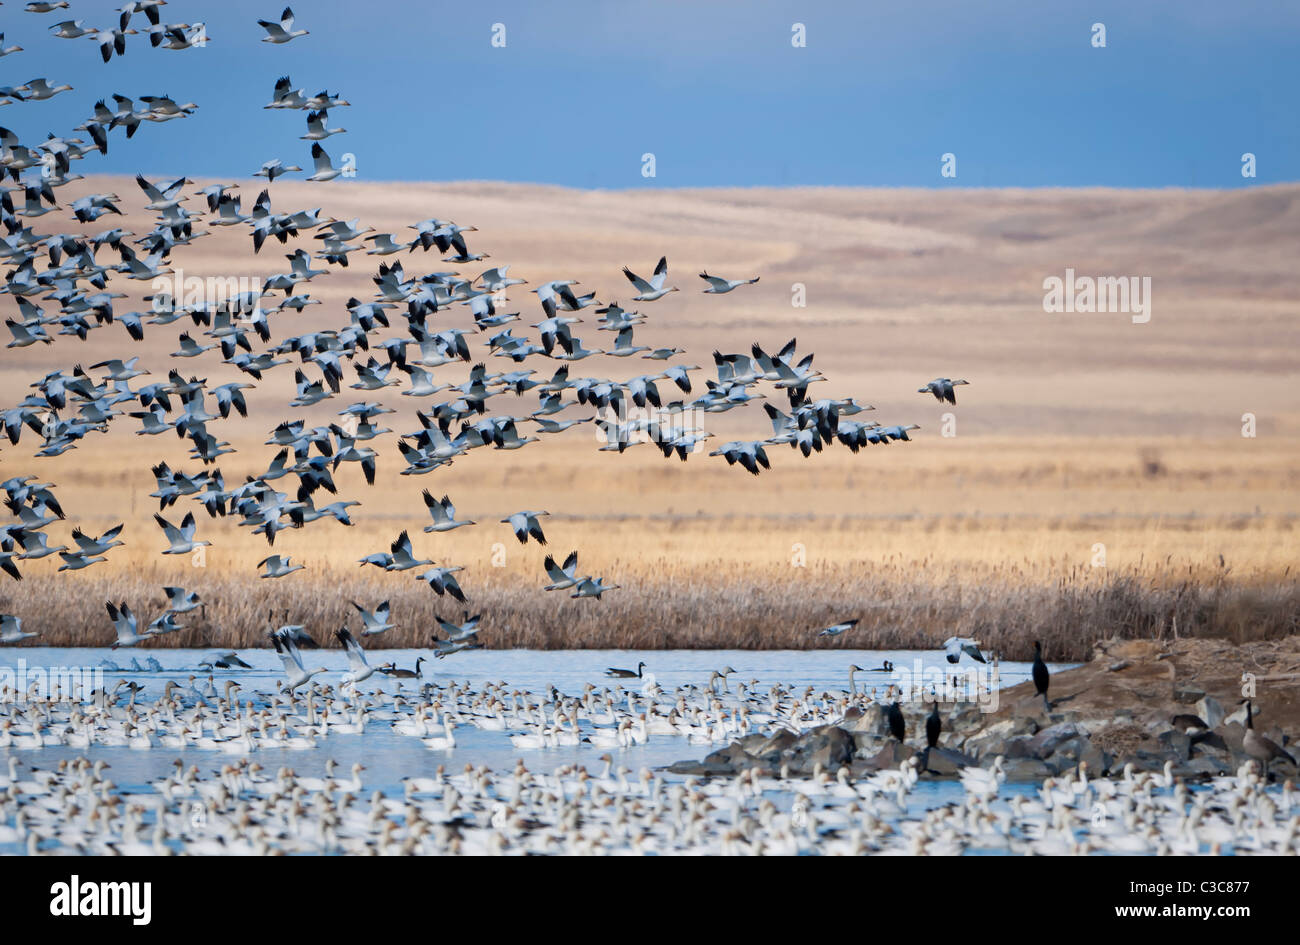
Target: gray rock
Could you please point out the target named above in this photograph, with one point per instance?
(1047, 740)
(1186, 693)
(944, 762)
(1176, 743)
(1210, 711)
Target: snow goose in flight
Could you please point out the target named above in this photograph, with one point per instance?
(11, 629)
(563, 576)
(294, 671)
(283, 31)
(40, 90)
(444, 514)
(181, 601)
(276, 168)
(403, 557)
(112, 41)
(718, 286)
(654, 289)
(842, 627)
(374, 621)
(324, 170)
(524, 524)
(278, 566)
(126, 625)
(317, 129)
(942, 388)
(956, 646)
(443, 581)
(458, 633)
(592, 587)
(72, 29)
(181, 539)
(7, 50)
(358, 669)
(77, 560)
(42, 6)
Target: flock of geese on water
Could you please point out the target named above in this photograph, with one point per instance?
(62, 281)
(74, 807)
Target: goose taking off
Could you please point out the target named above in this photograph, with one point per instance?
(181, 601)
(654, 289)
(374, 621)
(836, 629)
(358, 669)
(942, 388)
(1042, 678)
(956, 646)
(525, 524)
(287, 650)
(283, 31)
(718, 286)
(126, 625)
(625, 673)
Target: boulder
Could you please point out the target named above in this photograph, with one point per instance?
(828, 745)
(1049, 739)
(1210, 711)
(1178, 744)
(891, 756)
(944, 761)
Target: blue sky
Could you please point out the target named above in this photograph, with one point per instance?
(714, 89)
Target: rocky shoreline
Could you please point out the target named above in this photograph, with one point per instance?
(1132, 707)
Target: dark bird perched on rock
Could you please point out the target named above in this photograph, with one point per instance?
(897, 726)
(1041, 676)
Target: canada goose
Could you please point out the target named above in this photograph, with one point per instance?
(654, 289)
(1262, 749)
(283, 31)
(625, 673)
(956, 646)
(397, 673)
(942, 388)
(836, 629)
(1042, 678)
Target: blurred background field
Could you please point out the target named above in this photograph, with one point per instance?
(1078, 431)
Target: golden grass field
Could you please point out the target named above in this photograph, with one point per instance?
(1077, 431)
